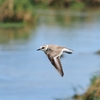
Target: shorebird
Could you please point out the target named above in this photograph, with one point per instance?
(54, 53)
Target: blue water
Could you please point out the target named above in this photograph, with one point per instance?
(26, 74)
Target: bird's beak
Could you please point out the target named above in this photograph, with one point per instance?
(38, 49)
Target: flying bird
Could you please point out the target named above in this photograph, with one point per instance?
(54, 53)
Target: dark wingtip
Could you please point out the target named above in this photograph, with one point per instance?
(62, 74)
(69, 52)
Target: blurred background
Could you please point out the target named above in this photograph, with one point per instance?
(26, 74)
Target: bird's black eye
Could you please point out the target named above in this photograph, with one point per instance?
(42, 48)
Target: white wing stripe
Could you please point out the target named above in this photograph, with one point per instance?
(57, 63)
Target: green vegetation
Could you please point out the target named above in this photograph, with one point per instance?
(67, 3)
(12, 25)
(22, 11)
(15, 11)
(77, 5)
(93, 92)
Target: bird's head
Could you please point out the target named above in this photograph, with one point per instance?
(43, 48)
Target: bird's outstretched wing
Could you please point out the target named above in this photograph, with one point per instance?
(57, 64)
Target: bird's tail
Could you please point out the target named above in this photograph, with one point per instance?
(69, 51)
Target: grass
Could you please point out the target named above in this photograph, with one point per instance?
(93, 92)
(12, 25)
(77, 5)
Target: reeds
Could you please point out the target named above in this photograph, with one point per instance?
(23, 10)
(15, 11)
